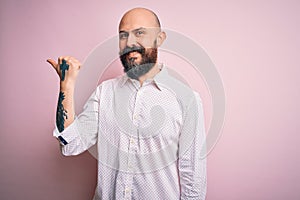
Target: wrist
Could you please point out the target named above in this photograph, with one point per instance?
(67, 85)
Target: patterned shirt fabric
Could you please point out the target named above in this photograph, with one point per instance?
(149, 139)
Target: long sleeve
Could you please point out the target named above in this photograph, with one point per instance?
(191, 167)
(83, 132)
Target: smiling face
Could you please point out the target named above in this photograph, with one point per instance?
(139, 38)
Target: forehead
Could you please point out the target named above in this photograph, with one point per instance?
(134, 20)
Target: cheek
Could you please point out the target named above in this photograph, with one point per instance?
(122, 45)
(147, 42)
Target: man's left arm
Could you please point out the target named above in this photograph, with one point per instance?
(192, 151)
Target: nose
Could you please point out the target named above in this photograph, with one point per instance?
(131, 40)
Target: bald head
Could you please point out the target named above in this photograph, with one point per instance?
(140, 27)
(139, 17)
(139, 38)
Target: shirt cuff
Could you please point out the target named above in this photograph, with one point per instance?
(67, 135)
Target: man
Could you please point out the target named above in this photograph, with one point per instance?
(148, 127)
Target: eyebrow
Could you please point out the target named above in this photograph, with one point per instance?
(135, 30)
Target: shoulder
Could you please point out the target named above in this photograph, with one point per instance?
(111, 82)
(108, 85)
(184, 94)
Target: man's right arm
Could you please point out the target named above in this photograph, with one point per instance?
(76, 134)
(67, 69)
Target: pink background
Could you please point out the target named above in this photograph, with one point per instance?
(254, 45)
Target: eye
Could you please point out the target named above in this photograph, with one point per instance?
(123, 35)
(140, 33)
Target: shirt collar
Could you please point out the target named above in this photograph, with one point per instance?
(158, 79)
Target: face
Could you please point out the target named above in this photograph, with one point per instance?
(138, 43)
(138, 55)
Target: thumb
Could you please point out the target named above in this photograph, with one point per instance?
(53, 63)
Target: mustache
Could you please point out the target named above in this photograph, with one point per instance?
(128, 50)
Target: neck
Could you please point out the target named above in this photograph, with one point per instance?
(155, 70)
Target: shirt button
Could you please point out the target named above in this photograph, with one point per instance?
(127, 190)
(139, 94)
(135, 116)
(132, 141)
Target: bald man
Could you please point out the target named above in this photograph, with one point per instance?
(147, 126)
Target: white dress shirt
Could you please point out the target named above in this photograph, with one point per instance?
(148, 137)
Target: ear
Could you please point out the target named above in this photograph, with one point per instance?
(161, 38)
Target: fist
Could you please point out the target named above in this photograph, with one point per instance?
(67, 68)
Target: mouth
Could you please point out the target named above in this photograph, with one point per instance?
(133, 57)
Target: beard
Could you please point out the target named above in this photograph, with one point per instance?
(133, 69)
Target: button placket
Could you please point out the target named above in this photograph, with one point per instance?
(129, 180)
(130, 168)
(131, 162)
(137, 108)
